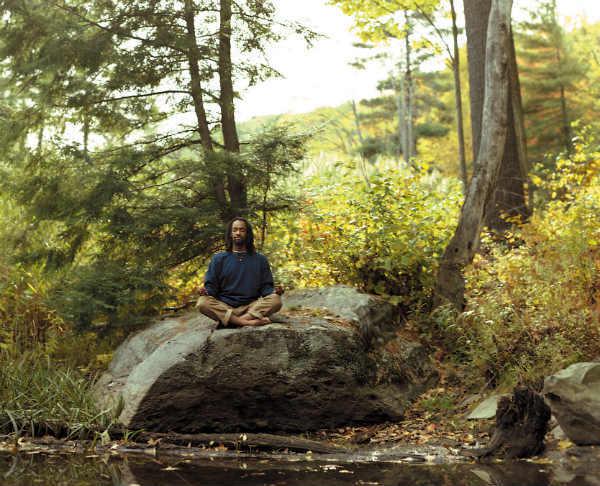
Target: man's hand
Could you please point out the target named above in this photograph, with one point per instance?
(202, 291)
(279, 290)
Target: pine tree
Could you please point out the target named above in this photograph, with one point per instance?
(124, 138)
(549, 78)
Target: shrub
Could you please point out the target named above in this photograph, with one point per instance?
(38, 397)
(534, 305)
(380, 228)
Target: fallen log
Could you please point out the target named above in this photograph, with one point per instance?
(241, 441)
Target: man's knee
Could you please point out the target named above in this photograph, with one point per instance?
(203, 304)
(275, 301)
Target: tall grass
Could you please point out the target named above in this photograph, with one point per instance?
(37, 398)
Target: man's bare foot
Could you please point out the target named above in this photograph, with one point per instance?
(248, 320)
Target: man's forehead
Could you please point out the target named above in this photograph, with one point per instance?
(238, 224)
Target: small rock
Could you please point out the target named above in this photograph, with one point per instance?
(486, 409)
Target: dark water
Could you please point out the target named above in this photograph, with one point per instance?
(79, 470)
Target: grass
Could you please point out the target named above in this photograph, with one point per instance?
(37, 398)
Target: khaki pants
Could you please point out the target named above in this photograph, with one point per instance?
(220, 311)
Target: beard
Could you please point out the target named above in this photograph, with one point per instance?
(239, 242)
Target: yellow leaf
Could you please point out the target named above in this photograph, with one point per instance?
(565, 444)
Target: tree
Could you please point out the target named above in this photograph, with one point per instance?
(384, 20)
(509, 195)
(138, 159)
(550, 78)
(464, 243)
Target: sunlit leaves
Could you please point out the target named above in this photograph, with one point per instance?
(382, 232)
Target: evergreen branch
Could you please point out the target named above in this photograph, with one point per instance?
(117, 31)
(240, 11)
(174, 148)
(144, 142)
(166, 183)
(141, 95)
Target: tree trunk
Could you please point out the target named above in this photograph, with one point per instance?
(509, 198)
(235, 183)
(566, 125)
(409, 95)
(459, 252)
(458, 98)
(508, 201)
(476, 14)
(193, 57)
(362, 161)
(401, 117)
(86, 135)
(357, 123)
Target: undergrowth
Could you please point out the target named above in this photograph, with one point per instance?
(37, 397)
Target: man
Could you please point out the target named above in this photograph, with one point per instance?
(238, 286)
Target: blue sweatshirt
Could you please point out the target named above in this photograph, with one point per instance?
(238, 279)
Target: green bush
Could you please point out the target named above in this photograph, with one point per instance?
(380, 228)
(534, 304)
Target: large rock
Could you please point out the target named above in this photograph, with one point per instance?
(574, 397)
(310, 371)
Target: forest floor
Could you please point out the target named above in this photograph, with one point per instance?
(435, 429)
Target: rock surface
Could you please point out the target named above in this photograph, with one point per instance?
(574, 397)
(486, 409)
(310, 371)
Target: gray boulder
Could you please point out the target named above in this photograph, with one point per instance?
(573, 394)
(310, 370)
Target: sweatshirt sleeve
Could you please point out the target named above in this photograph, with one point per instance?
(266, 278)
(211, 278)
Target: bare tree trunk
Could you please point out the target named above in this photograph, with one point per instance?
(362, 162)
(458, 98)
(401, 117)
(409, 96)
(450, 285)
(476, 11)
(40, 144)
(86, 135)
(509, 198)
(235, 183)
(193, 56)
(566, 125)
(509, 201)
(566, 128)
(357, 123)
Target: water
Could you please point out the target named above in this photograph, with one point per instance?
(59, 469)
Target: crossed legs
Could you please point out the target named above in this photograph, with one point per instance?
(254, 314)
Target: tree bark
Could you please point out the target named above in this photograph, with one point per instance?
(521, 424)
(450, 283)
(476, 14)
(458, 98)
(401, 109)
(409, 94)
(509, 197)
(508, 201)
(235, 183)
(243, 441)
(193, 57)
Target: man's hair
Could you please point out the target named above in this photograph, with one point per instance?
(249, 235)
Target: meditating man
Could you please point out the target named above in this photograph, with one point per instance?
(238, 287)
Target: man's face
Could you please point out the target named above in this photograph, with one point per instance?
(238, 232)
